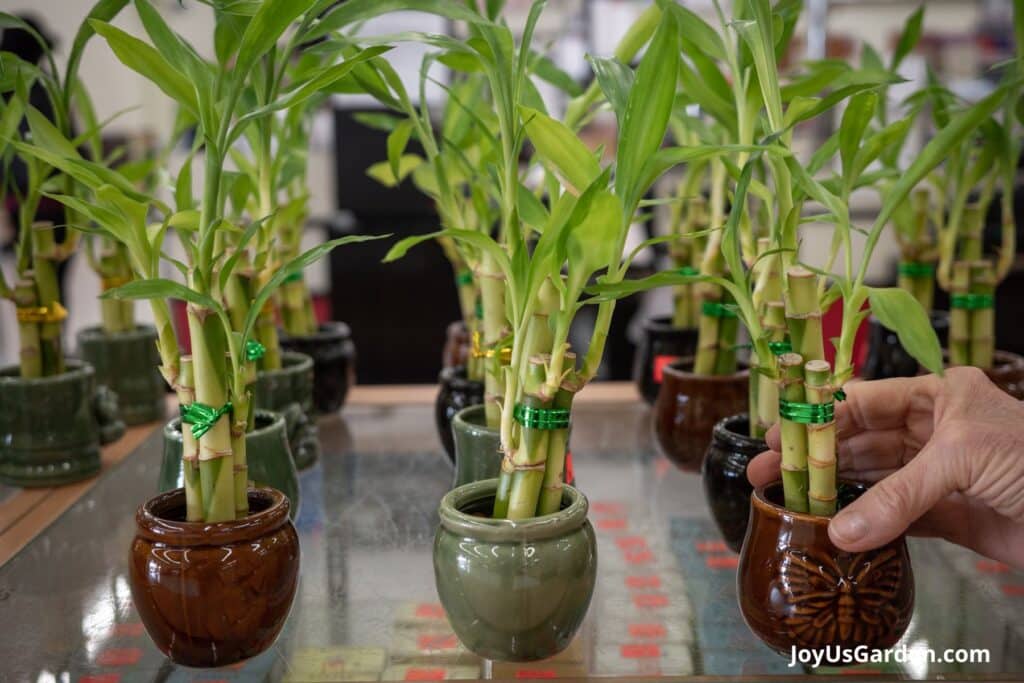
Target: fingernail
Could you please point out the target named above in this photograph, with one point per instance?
(849, 526)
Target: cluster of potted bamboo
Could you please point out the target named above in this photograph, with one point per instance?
(40, 444)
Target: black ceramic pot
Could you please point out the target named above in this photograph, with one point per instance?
(334, 363)
(887, 357)
(127, 363)
(724, 474)
(289, 391)
(660, 345)
(457, 392)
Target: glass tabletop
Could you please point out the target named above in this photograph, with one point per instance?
(367, 608)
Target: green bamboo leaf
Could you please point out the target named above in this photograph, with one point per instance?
(611, 291)
(697, 31)
(643, 126)
(909, 37)
(176, 51)
(227, 35)
(820, 75)
(856, 118)
(473, 238)
(664, 159)
(889, 138)
(560, 147)
(378, 120)
(353, 11)
(160, 288)
(397, 141)
(898, 310)
(381, 171)
(870, 59)
(297, 265)
(264, 30)
(615, 80)
(531, 209)
(591, 244)
(146, 61)
(549, 72)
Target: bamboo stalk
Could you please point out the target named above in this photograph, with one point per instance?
(821, 442)
(44, 265)
(558, 446)
(242, 423)
(29, 353)
(529, 461)
(495, 327)
(709, 326)
(185, 389)
(725, 363)
(265, 329)
(216, 460)
(959, 317)
(767, 412)
(803, 313)
(982, 321)
(794, 435)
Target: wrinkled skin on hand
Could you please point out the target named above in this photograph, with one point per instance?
(946, 455)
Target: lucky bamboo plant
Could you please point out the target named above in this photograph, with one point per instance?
(213, 384)
(806, 384)
(36, 289)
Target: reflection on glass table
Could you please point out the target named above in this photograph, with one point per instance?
(367, 608)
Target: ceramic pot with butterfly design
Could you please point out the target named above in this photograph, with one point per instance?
(797, 589)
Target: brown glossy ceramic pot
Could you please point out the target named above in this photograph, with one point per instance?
(214, 594)
(457, 345)
(1007, 373)
(796, 589)
(689, 406)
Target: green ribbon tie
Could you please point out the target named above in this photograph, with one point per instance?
(479, 311)
(807, 413)
(688, 271)
(839, 395)
(202, 417)
(541, 418)
(294, 277)
(715, 309)
(916, 269)
(254, 351)
(464, 278)
(780, 347)
(972, 302)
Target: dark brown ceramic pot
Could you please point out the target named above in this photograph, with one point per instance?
(796, 589)
(689, 406)
(457, 345)
(660, 345)
(214, 594)
(724, 475)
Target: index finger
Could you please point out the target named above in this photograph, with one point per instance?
(881, 404)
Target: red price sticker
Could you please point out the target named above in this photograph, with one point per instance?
(529, 674)
(611, 524)
(711, 547)
(651, 630)
(650, 600)
(649, 581)
(101, 678)
(627, 542)
(640, 651)
(992, 567)
(423, 674)
(119, 656)
(607, 508)
(428, 610)
(722, 561)
(658, 368)
(445, 641)
(640, 557)
(1013, 590)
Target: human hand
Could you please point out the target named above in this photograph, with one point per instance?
(946, 455)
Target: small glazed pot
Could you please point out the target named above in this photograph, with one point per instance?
(51, 428)
(477, 446)
(289, 391)
(660, 345)
(127, 364)
(266, 455)
(1007, 373)
(334, 363)
(513, 590)
(457, 392)
(886, 356)
(458, 345)
(796, 589)
(689, 406)
(213, 594)
(724, 475)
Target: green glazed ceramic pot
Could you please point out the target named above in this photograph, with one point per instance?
(289, 391)
(127, 363)
(477, 447)
(266, 453)
(513, 590)
(49, 431)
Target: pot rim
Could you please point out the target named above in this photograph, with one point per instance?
(10, 375)
(460, 418)
(760, 501)
(292, 363)
(329, 330)
(151, 526)
(675, 370)
(566, 520)
(96, 333)
(172, 428)
(456, 377)
(723, 430)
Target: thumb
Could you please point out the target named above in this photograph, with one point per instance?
(893, 504)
